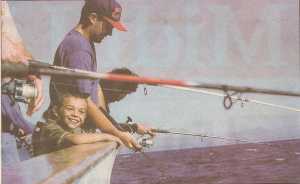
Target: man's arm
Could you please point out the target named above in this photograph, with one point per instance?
(126, 127)
(106, 126)
(101, 98)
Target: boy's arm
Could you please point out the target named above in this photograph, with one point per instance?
(101, 121)
(83, 138)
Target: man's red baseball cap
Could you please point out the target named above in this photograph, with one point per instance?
(110, 10)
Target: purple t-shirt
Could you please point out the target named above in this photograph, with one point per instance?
(75, 51)
(11, 115)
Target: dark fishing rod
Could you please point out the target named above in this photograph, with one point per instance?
(162, 131)
(37, 67)
(146, 140)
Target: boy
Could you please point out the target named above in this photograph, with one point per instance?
(63, 127)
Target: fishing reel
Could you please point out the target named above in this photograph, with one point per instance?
(145, 141)
(20, 90)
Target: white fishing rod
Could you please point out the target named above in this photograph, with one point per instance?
(230, 99)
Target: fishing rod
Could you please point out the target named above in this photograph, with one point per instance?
(230, 99)
(146, 141)
(162, 131)
(37, 67)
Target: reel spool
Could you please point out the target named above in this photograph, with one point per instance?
(20, 90)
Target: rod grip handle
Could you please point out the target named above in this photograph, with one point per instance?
(18, 70)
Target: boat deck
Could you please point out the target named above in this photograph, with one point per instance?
(272, 162)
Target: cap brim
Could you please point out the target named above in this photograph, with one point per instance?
(116, 24)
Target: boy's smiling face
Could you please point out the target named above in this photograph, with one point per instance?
(73, 111)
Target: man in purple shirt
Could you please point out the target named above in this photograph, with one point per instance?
(77, 50)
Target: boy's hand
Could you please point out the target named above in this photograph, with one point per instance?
(129, 141)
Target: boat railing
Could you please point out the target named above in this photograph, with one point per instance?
(82, 164)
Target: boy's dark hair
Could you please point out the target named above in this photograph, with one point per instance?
(112, 89)
(51, 112)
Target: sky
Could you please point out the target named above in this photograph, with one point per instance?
(237, 42)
